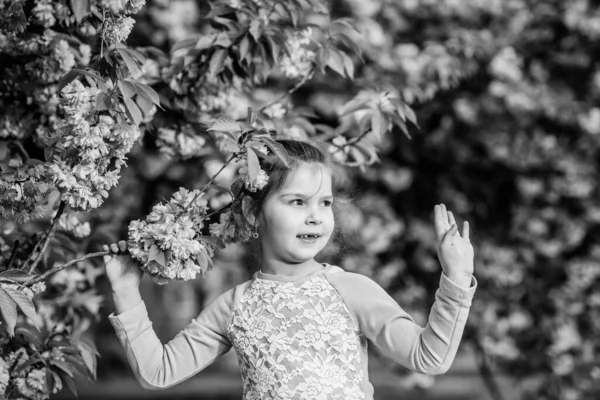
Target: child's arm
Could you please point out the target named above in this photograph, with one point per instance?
(429, 350)
(158, 366)
(432, 349)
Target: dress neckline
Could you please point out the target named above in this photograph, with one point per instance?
(282, 278)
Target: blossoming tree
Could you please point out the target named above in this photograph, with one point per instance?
(76, 99)
(505, 93)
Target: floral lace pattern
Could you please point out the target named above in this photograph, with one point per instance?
(296, 341)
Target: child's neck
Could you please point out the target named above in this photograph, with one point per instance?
(278, 267)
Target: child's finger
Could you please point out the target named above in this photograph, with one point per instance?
(114, 248)
(446, 219)
(123, 245)
(107, 257)
(448, 239)
(465, 232)
(438, 220)
(451, 218)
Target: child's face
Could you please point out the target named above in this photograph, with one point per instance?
(302, 206)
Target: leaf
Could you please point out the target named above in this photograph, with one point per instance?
(15, 275)
(277, 149)
(357, 103)
(81, 9)
(225, 124)
(147, 92)
(335, 62)
(131, 63)
(275, 48)
(133, 111)
(103, 102)
(182, 44)
(348, 65)
(145, 105)
(343, 38)
(245, 47)
(213, 241)
(127, 89)
(251, 117)
(68, 381)
(338, 23)
(66, 79)
(255, 29)
(203, 43)
(89, 73)
(24, 303)
(222, 40)
(31, 335)
(8, 309)
(292, 12)
(216, 62)
(379, 123)
(321, 58)
(253, 165)
(157, 255)
(89, 356)
(219, 9)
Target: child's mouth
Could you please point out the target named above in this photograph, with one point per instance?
(309, 237)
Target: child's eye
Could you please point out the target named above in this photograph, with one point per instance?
(298, 202)
(327, 203)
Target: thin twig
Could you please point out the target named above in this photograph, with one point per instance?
(217, 173)
(205, 188)
(35, 249)
(102, 34)
(54, 270)
(292, 90)
(61, 207)
(487, 375)
(217, 211)
(13, 254)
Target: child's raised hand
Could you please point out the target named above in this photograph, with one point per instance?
(454, 250)
(123, 272)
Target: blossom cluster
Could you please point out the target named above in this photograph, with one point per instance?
(89, 149)
(168, 243)
(117, 30)
(208, 97)
(183, 143)
(299, 62)
(70, 223)
(28, 381)
(255, 184)
(48, 13)
(123, 6)
(24, 190)
(31, 109)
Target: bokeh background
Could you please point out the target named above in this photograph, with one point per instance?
(506, 96)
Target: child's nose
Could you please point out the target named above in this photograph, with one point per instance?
(314, 218)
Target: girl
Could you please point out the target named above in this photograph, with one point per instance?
(299, 327)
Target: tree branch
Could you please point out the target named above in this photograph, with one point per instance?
(59, 212)
(290, 91)
(54, 270)
(13, 254)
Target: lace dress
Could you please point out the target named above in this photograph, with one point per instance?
(299, 338)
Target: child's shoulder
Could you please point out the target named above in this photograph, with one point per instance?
(337, 275)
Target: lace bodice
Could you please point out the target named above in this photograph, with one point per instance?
(296, 341)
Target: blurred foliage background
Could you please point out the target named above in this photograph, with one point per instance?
(506, 98)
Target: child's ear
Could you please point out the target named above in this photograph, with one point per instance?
(247, 204)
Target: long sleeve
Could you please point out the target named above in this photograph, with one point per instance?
(158, 366)
(430, 350)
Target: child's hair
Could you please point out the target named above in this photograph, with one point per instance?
(298, 152)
